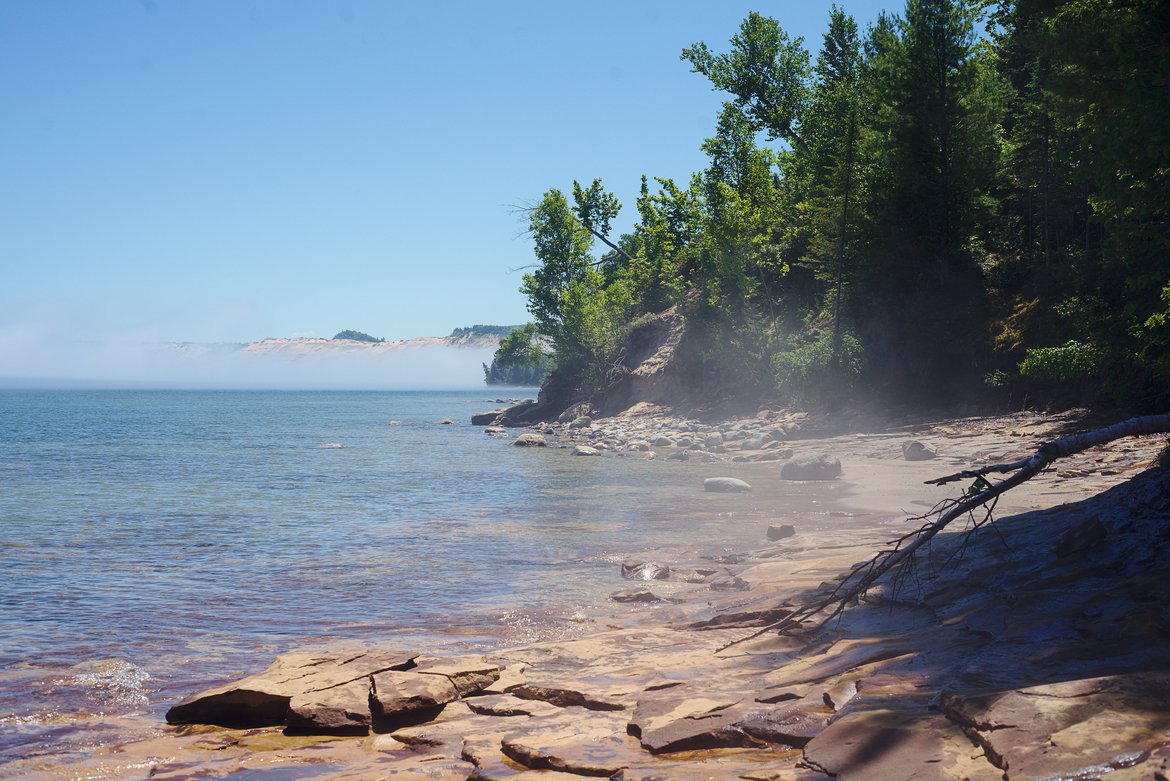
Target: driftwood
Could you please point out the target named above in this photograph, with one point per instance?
(983, 494)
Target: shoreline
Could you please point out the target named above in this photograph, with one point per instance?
(873, 484)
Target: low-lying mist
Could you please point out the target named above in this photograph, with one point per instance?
(79, 363)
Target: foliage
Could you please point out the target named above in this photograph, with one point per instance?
(1071, 361)
(523, 358)
(816, 370)
(358, 336)
(959, 187)
(484, 331)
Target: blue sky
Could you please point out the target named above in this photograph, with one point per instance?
(228, 170)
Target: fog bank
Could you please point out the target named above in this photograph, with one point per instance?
(281, 365)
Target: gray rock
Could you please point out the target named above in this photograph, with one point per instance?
(639, 445)
(811, 467)
(663, 441)
(578, 410)
(918, 451)
(713, 439)
(582, 422)
(753, 443)
(679, 455)
(726, 485)
(486, 418)
(585, 450)
(530, 440)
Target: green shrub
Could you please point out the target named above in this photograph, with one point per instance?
(1073, 360)
(809, 370)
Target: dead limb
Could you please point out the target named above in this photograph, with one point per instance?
(901, 551)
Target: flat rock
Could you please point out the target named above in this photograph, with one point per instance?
(811, 467)
(1069, 729)
(726, 485)
(530, 440)
(469, 675)
(583, 743)
(585, 450)
(730, 583)
(888, 745)
(781, 532)
(398, 693)
(635, 594)
(566, 697)
(339, 709)
(262, 700)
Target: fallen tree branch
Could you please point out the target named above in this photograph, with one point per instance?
(902, 550)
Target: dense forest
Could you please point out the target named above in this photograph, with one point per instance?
(966, 200)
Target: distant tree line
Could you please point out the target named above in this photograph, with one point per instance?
(483, 330)
(358, 336)
(523, 358)
(964, 197)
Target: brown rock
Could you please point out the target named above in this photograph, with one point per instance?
(564, 697)
(398, 693)
(468, 675)
(263, 699)
(530, 440)
(886, 745)
(781, 532)
(339, 709)
(1068, 729)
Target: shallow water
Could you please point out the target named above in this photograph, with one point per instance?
(155, 542)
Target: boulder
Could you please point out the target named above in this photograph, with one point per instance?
(811, 467)
(585, 450)
(663, 441)
(530, 440)
(482, 418)
(582, 422)
(726, 485)
(780, 532)
(581, 409)
(678, 455)
(645, 570)
(713, 439)
(639, 445)
(914, 450)
(446, 422)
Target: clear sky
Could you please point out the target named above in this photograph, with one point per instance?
(228, 170)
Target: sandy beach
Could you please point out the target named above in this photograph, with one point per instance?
(1034, 649)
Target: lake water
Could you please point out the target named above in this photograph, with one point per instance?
(156, 542)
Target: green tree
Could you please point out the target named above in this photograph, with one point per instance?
(562, 246)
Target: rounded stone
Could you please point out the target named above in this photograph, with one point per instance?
(727, 485)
